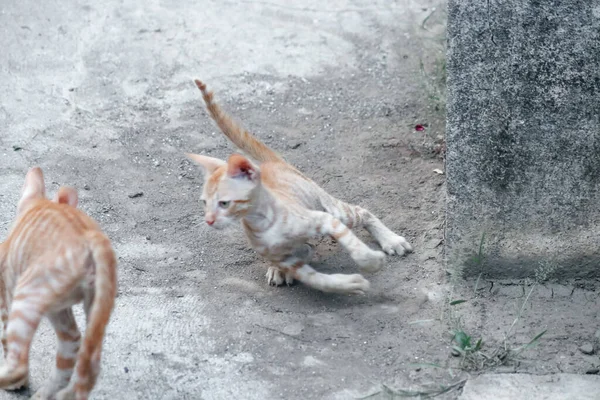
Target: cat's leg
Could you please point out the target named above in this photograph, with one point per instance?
(354, 216)
(276, 276)
(88, 361)
(334, 283)
(4, 306)
(23, 320)
(68, 346)
(368, 259)
(37, 289)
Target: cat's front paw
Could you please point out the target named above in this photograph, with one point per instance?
(275, 277)
(395, 244)
(371, 261)
(14, 378)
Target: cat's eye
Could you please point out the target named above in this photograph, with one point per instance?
(224, 204)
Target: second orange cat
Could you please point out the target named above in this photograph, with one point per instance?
(55, 256)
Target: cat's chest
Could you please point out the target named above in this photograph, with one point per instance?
(274, 242)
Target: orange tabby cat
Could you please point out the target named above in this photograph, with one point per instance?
(55, 256)
(281, 209)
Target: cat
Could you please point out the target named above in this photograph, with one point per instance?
(281, 209)
(55, 256)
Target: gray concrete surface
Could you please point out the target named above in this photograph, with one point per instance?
(523, 136)
(526, 387)
(100, 95)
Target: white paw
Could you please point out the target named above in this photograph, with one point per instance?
(395, 245)
(276, 277)
(347, 284)
(371, 261)
(13, 378)
(48, 391)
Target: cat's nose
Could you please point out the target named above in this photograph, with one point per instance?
(210, 219)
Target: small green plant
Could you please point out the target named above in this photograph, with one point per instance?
(473, 356)
(463, 343)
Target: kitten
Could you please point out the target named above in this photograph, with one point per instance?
(281, 210)
(55, 256)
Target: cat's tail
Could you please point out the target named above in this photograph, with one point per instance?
(238, 135)
(105, 283)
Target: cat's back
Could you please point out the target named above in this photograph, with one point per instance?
(290, 185)
(45, 225)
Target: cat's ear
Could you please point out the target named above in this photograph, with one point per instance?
(240, 167)
(67, 195)
(208, 164)
(33, 188)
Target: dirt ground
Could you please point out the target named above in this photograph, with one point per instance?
(101, 97)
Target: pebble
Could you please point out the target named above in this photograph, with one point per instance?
(587, 348)
(86, 187)
(136, 194)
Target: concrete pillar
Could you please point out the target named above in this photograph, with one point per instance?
(523, 137)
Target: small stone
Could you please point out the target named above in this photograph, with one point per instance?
(455, 353)
(136, 194)
(592, 371)
(126, 370)
(147, 237)
(587, 348)
(86, 187)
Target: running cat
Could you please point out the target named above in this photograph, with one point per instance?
(281, 209)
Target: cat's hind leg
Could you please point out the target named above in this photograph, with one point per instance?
(4, 306)
(37, 290)
(354, 216)
(368, 259)
(66, 355)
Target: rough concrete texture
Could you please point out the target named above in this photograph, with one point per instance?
(523, 135)
(526, 387)
(100, 95)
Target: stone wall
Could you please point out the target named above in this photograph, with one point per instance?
(523, 136)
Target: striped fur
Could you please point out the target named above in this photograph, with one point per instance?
(281, 210)
(55, 256)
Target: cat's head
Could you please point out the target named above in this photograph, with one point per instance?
(230, 188)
